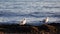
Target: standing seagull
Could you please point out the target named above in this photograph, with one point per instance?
(46, 20)
(23, 22)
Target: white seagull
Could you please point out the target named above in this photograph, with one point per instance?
(23, 22)
(46, 20)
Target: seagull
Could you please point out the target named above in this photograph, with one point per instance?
(46, 20)
(23, 22)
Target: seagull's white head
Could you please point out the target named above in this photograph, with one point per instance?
(47, 18)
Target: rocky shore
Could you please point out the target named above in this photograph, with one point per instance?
(52, 28)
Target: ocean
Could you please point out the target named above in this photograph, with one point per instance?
(13, 11)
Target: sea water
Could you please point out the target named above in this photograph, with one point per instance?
(13, 11)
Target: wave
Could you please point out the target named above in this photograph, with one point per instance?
(32, 14)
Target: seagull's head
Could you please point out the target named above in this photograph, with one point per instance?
(47, 17)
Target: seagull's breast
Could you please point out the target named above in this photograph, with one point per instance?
(24, 21)
(46, 20)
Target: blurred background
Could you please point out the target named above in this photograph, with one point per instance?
(13, 11)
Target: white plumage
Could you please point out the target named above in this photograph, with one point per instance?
(46, 20)
(23, 22)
